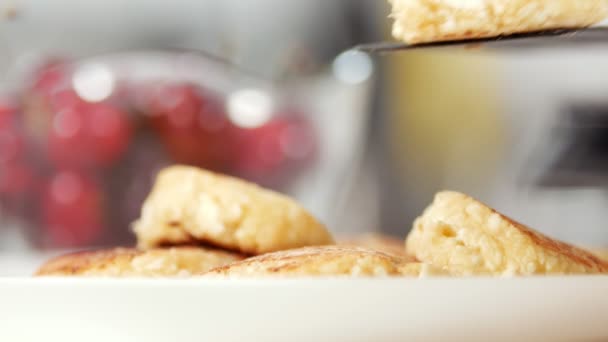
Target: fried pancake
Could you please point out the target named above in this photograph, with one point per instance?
(601, 253)
(189, 205)
(421, 21)
(320, 261)
(461, 234)
(379, 242)
(130, 262)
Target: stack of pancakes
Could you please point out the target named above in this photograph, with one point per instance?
(198, 223)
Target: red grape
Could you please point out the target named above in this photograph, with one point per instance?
(109, 131)
(7, 114)
(18, 184)
(12, 143)
(193, 126)
(88, 135)
(16, 178)
(48, 93)
(72, 209)
(267, 151)
(11, 146)
(68, 141)
(50, 77)
(179, 102)
(64, 99)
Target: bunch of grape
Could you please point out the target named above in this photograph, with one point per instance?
(76, 171)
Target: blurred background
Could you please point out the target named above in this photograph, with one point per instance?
(97, 96)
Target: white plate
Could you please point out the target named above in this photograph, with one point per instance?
(543, 308)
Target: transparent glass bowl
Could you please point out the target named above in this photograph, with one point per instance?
(81, 141)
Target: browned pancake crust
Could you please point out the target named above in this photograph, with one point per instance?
(577, 255)
(77, 262)
(461, 233)
(131, 262)
(317, 261)
(601, 253)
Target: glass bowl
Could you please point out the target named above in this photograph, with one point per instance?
(81, 141)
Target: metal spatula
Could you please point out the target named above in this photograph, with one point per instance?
(548, 38)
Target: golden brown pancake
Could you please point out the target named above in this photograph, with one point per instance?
(189, 205)
(321, 261)
(422, 21)
(459, 233)
(601, 253)
(130, 262)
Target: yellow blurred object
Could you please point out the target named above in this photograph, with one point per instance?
(446, 114)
